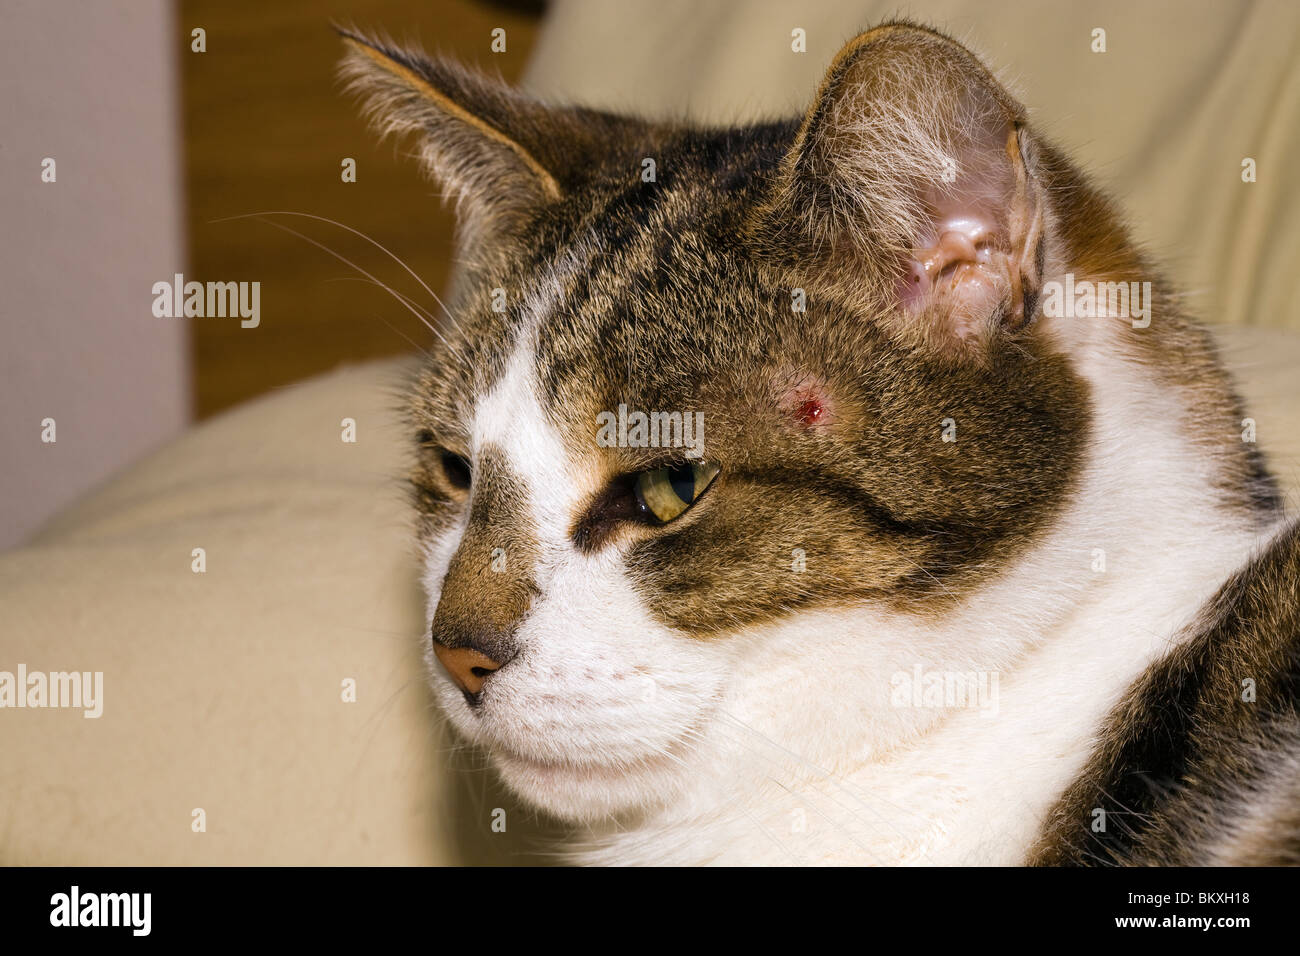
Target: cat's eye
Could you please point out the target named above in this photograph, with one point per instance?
(456, 468)
(665, 493)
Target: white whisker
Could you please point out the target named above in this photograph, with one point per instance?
(357, 232)
(348, 262)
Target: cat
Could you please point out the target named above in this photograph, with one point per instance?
(964, 569)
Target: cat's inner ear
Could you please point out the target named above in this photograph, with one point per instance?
(910, 190)
(498, 152)
(974, 260)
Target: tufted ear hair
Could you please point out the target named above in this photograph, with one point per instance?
(502, 155)
(911, 192)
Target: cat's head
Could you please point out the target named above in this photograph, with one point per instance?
(722, 422)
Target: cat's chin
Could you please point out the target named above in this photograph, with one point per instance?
(602, 770)
(591, 792)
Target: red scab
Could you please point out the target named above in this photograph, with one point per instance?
(809, 412)
(806, 403)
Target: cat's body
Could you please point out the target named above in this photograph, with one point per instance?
(910, 472)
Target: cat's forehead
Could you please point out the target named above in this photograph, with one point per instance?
(644, 296)
(656, 322)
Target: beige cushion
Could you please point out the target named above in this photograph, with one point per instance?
(223, 689)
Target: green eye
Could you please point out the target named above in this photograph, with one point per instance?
(666, 492)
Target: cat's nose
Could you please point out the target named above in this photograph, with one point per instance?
(467, 666)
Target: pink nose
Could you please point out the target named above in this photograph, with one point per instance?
(467, 667)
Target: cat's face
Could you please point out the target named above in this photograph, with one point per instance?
(857, 424)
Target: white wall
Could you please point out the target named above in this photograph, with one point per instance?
(95, 86)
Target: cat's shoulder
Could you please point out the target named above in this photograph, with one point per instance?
(1199, 764)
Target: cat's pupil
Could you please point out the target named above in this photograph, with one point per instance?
(682, 480)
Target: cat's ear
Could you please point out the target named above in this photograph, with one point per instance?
(911, 192)
(498, 152)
